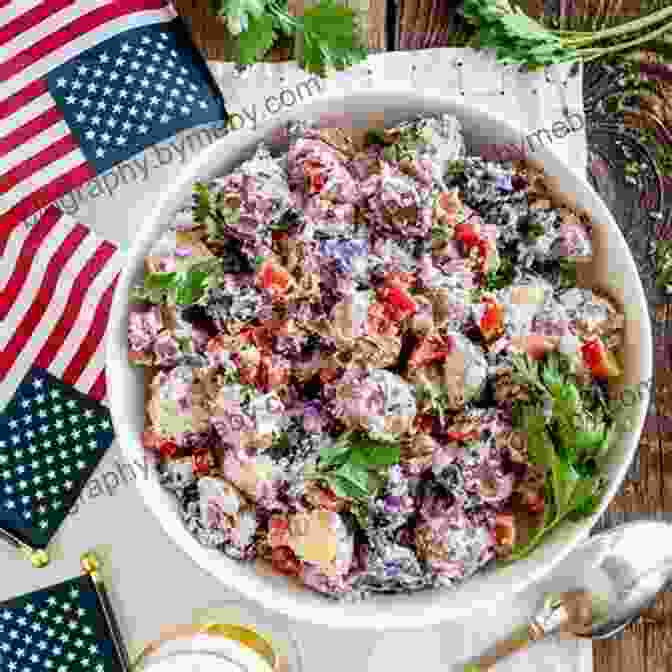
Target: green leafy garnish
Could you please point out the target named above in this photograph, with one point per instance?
(437, 395)
(374, 136)
(211, 210)
(182, 288)
(567, 278)
(351, 464)
(255, 42)
(455, 167)
(502, 277)
(517, 38)
(663, 252)
(331, 39)
(568, 431)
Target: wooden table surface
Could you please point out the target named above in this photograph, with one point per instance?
(647, 645)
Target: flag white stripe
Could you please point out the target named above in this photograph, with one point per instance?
(80, 44)
(12, 251)
(40, 261)
(15, 8)
(24, 114)
(36, 144)
(43, 177)
(86, 315)
(92, 370)
(47, 26)
(59, 300)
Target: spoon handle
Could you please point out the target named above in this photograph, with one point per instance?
(502, 649)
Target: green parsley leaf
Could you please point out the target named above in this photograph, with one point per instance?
(360, 510)
(330, 37)
(567, 277)
(339, 449)
(254, 43)
(539, 446)
(374, 136)
(349, 464)
(502, 277)
(202, 207)
(237, 8)
(455, 167)
(369, 452)
(178, 287)
(357, 476)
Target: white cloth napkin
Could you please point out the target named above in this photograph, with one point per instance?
(116, 213)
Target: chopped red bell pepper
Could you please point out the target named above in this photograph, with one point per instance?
(466, 233)
(151, 440)
(534, 502)
(492, 321)
(424, 423)
(463, 436)
(285, 562)
(505, 529)
(429, 350)
(599, 360)
(202, 461)
(168, 449)
(398, 303)
(273, 277)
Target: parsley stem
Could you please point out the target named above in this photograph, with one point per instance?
(591, 54)
(619, 31)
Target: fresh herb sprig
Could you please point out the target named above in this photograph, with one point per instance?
(182, 287)
(568, 430)
(502, 277)
(352, 464)
(211, 210)
(329, 30)
(437, 395)
(517, 38)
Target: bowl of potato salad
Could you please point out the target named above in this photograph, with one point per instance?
(379, 377)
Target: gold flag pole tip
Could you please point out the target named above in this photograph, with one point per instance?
(38, 557)
(90, 563)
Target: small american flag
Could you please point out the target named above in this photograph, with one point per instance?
(87, 84)
(58, 629)
(57, 282)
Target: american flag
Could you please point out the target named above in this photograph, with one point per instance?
(87, 84)
(57, 629)
(57, 281)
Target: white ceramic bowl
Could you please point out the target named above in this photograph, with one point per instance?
(613, 269)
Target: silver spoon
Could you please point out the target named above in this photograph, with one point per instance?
(625, 568)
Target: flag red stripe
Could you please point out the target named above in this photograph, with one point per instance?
(30, 166)
(99, 388)
(41, 198)
(27, 94)
(76, 299)
(24, 260)
(31, 18)
(92, 339)
(31, 318)
(30, 129)
(79, 26)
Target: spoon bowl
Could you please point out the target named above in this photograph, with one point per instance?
(622, 570)
(631, 563)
